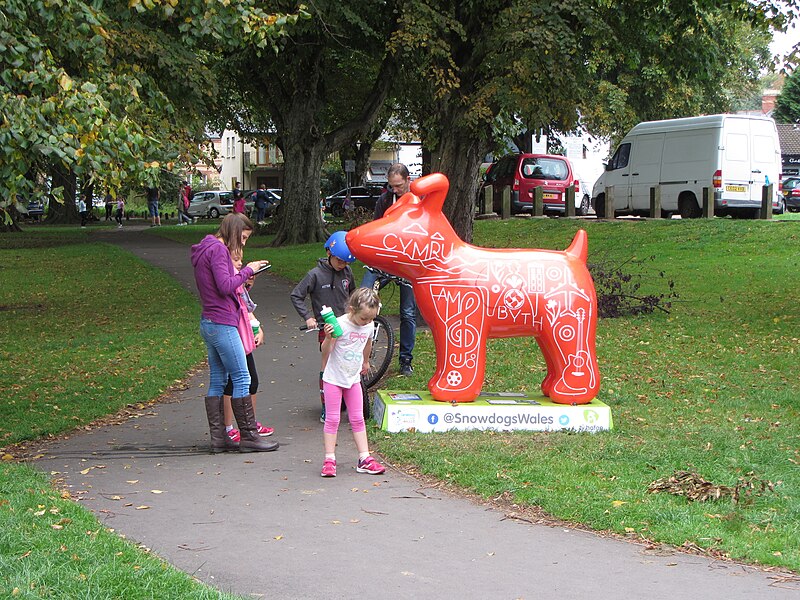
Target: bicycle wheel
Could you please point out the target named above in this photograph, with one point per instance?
(382, 350)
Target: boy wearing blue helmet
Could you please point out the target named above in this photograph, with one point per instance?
(330, 283)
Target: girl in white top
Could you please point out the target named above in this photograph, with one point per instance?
(344, 359)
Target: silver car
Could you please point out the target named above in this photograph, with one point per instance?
(212, 204)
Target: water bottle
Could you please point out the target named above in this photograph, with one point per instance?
(327, 315)
(256, 325)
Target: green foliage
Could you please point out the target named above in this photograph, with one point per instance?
(110, 92)
(333, 177)
(787, 106)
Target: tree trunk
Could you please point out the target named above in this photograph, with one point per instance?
(300, 221)
(63, 211)
(459, 158)
(362, 162)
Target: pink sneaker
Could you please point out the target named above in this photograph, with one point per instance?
(233, 434)
(264, 431)
(329, 468)
(371, 466)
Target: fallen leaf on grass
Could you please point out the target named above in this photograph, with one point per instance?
(618, 503)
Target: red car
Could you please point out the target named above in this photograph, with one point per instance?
(524, 172)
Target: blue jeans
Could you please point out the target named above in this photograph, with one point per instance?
(225, 358)
(408, 316)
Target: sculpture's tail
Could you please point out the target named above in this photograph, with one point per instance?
(579, 248)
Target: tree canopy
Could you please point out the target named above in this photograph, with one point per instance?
(323, 89)
(787, 106)
(111, 92)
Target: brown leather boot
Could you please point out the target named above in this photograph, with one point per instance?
(220, 442)
(245, 416)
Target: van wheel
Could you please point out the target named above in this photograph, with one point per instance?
(583, 209)
(600, 206)
(688, 208)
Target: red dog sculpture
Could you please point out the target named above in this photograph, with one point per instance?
(469, 294)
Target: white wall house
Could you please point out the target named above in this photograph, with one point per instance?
(250, 164)
(587, 155)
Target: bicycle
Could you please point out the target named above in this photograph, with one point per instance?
(383, 337)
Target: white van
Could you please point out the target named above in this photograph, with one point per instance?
(732, 155)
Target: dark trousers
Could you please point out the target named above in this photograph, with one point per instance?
(251, 367)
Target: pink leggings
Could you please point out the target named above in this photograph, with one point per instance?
(353, 400)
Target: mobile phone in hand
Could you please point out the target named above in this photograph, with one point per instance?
(262, 269)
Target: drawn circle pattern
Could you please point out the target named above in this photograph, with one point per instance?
(454, 378)
(514, 299)
(566, 333)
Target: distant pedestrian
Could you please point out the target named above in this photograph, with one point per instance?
(120, 210)
(153, 196)
(184, 200)
(261, 201)
(346, 358)
(109, 200)
(82, 210)
(238, 200)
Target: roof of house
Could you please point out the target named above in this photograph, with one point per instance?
(789, 136)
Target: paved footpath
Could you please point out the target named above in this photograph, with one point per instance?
(269, 525)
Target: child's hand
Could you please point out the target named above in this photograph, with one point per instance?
(257, 264)
(328, 328)
(365, 367)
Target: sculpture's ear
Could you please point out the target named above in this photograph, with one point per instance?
(432, 189)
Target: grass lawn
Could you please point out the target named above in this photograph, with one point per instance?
(80, 338)
(710, 387)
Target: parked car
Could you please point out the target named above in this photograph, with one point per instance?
(212, 204)
(360, 197)
(273, 200)
(525, 172)
(35, 209)
(791, 194)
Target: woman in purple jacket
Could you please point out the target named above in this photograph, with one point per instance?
(217, 281)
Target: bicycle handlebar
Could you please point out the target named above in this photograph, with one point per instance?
(384, 275)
